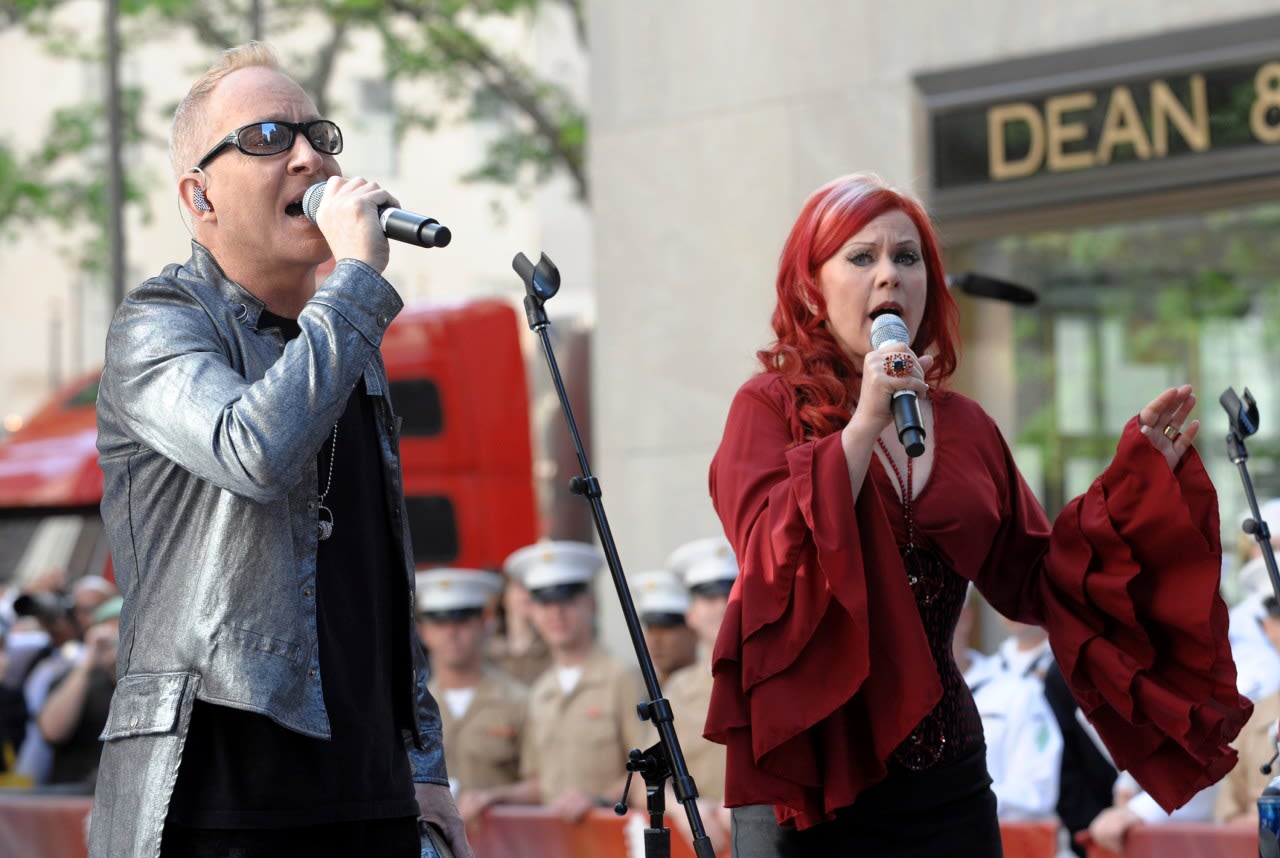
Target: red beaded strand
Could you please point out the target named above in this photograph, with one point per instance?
(906, 488)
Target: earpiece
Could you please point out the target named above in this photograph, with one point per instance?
(199, 200)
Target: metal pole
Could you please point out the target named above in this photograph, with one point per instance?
(115, 143)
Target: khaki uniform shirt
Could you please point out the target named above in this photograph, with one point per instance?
(581, 739)
(526, 666)
(482, 748)
(689, 691)
(1239, 790)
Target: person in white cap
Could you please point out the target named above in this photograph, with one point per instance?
(1023, 739)
(1257, 661)
(515, 646)
(707, 569)
(582, 710)
(482, 709)
(661, 602)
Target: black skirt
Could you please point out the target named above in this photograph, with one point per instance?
(943, 811)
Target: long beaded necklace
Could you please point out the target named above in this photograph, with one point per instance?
(923, 573)
(324, 524)
(924, 747)
(905, 487)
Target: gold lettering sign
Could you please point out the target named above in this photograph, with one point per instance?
(1266, 87)
(1066, 134)
(1001, 117)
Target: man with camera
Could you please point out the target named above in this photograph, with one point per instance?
(63, 617)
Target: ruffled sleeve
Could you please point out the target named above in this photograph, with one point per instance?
(1129, 595)
(795, 685)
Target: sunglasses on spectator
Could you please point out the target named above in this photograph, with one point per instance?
(275, 136)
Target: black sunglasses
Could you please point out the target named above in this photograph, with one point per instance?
(275, 136)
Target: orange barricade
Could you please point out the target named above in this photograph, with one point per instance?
(1185, 840)
(510, 831)
(531, 832)
(52, 826)
(1038, 839)
(44, 825)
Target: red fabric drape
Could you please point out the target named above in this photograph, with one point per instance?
(822, 666)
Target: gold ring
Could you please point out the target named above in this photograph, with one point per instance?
(899, 365)
(1171, 432)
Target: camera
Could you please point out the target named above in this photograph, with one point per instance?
(43, 605)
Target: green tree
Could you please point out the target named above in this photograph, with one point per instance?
(538, 126)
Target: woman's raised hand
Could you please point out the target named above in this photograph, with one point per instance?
(1162, 421)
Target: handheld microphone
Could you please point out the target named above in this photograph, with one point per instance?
(889, 328)
(396, 223)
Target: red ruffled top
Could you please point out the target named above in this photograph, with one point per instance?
(822, 666)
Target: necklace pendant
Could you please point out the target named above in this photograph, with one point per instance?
(324, 526)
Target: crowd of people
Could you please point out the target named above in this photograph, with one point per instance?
(58, 645)
(511, 708)
(562, 740)
(1048, 763)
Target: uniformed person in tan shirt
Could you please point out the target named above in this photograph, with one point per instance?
(482, 710)
(1236, 801)
(661, 601)
(708, 569)
(517, 649)
(582, 710)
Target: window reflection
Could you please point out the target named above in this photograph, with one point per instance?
(1127, 309)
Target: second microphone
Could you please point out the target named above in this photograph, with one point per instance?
(396, 223)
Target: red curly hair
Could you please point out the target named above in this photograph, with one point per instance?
(805, 353)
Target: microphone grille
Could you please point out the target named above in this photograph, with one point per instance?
(311, 200)
(889, 328)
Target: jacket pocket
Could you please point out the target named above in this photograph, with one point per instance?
(145, 704)
(251, 643)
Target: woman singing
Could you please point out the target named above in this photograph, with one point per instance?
(849, 729)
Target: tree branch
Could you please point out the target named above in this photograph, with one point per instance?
(503, 77)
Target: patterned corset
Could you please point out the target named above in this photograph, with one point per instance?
(952, 729)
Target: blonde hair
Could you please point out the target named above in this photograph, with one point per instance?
(189, 119)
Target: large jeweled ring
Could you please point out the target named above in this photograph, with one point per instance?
(1171, 432)
(899, 364)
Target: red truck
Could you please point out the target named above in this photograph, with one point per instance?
(457, 374)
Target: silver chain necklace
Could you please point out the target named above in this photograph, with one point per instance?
(325, 523)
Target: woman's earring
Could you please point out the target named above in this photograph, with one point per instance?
(200, 201)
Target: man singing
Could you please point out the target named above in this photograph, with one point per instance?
(272, 691)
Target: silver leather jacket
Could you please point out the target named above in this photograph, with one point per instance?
(208, 431)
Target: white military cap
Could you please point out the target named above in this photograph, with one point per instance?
(705, 561)
(1270, 512)
(562, 564)
(441, 590)
(657, 593)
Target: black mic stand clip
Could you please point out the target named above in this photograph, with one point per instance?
(665, 759)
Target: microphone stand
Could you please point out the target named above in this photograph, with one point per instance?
(665, 759)
(1243, 417)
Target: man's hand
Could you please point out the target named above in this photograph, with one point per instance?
(572, 805)
(473, 803)
(1109, 828)
(100, 644)
(435, 802)
(348, 217)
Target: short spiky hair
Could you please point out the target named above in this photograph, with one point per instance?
(189, 118)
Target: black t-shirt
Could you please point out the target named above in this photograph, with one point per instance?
(13, 721)
(75, 761)
(242, 770)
